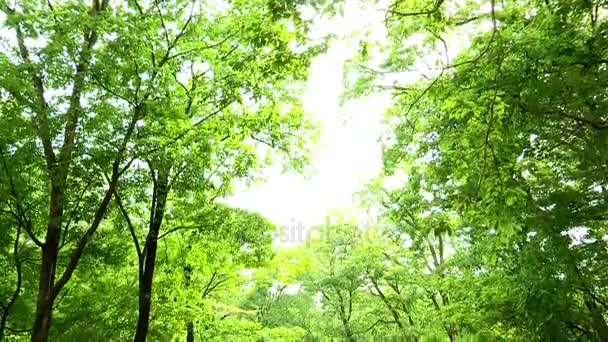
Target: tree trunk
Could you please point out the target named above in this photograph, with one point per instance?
(392, 310)
(187, 277)
(347, 330)
(44, 305)
(7, 308)
(452, 333)
(161, 189)
(46, 297)
(599, 324)
(345, 319)
(190, 336)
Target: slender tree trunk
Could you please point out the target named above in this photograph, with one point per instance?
(599, 324)
(3, 322)
(161, 189)
(452, 329)
(345, 319)
(6, 310)
(347, 330)
(187, 277)
(48, 288)
(452, 333)
(190, 336)
(392, 310)
(58, 168)
(44, 305)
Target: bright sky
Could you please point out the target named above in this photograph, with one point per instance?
(348, 153)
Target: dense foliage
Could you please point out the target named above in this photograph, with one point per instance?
(124, 123)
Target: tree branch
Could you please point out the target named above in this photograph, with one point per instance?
(435, 8)
(162, 22)
(101, 209)
(9, 305)
(75, 108)
(41, 119)
(67, 225)
(21, 216)
(125, 214)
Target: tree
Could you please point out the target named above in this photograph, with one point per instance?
(207, 263)
(336, 276)
(125, 83)
(508, 133)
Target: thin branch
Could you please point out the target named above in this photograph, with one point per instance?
(162, 22)
(186, 131)
(41, 119)
(219, 282)
(380, 321)
(125, 214)
(127, 166)
(209, 283)
(267, 143)
(67, 225)
(21, 216)
(101, 209)
(104, 87)
(57, 303)
(18, 331)
(13, 300)
(435, 8)
(181, 33)
(180, 228)
(207, 47)
(443, 42)
(424, 92)
(574, 326)
(139, 9)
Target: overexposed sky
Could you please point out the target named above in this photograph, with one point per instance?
(348, 153)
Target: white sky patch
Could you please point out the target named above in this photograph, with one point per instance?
(578, 235)
(396, 181)
(348, 153)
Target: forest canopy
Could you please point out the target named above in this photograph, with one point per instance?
(125, 124)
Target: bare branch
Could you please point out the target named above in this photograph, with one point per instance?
(112, 92)
(181, 33)
(206, 291)
(443, 42)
